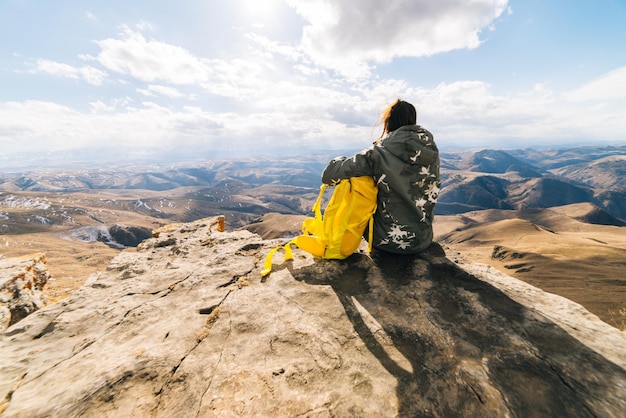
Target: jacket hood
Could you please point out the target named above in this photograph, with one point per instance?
(412, 144)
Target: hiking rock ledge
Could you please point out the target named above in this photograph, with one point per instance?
(185, 326)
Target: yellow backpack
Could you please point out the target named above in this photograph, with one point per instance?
(337, 234)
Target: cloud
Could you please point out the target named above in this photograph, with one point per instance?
(149, 60)
(345, 35)
(87, 73)
(46, 126)
(266, 45)
(469, 113)
(297, 117)
(608, 87)
(154, 90)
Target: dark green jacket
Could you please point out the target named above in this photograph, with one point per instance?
(405, 166)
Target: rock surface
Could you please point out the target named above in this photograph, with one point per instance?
(185, 327)
(21, 283)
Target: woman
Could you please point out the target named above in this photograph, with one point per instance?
(404, 162)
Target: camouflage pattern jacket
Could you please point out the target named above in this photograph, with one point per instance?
(405, 166)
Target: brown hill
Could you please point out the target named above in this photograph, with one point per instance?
(276, 225)
(465, 192)
(551, 249)
(473, 193)
(497, 161)
(588, 213)
(604, 173)
(548, 192)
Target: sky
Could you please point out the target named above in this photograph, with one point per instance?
(284, 77)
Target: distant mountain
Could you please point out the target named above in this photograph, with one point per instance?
(524, 170)
(614, 202)
(482, 192)
(289, 172)
(496, 161)
(491, 192)
(528, 178)
(549, 159)
(548, 192)
(604, 173)
(246, 188)
(592, 214)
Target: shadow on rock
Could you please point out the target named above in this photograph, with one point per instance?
(460, 347)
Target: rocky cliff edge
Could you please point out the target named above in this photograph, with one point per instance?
(185, 326)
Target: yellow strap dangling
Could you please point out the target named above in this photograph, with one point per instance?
(267, 266)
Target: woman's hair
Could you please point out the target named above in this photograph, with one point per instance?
(398, 114)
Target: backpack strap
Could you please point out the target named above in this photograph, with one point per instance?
(308, 239)
(317, 207)
(267, 266)
(370, 234)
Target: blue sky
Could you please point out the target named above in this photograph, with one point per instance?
(250, 77)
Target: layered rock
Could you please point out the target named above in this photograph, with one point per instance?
(21, 287)
(185, 326)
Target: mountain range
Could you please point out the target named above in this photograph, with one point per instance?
(486, 179)
(522, 179)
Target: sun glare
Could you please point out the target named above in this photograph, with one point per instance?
(258, 11)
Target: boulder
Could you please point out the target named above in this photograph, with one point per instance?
(21, 287)
(129, 236)
(185, 326)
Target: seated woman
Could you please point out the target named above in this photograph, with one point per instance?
(404, 163)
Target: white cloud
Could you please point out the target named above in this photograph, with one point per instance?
(100, 106)
(90, 74)
(291, 116)
(470, 104)
(149, 60)
(345, 35)
(610, 86)
(469, 113)
(47, 126)
(154, 90)
(144, 26)
(273, 47)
